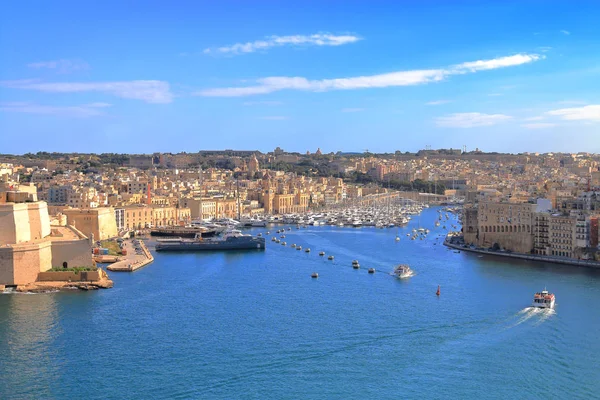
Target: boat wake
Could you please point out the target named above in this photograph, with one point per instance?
(537, 315)
(409, 275)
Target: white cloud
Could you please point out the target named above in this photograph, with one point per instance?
(539, 125)
(501, 62)
(392, 79)
(262, 103)
(274, 117)
(534, 118)
(148, 91)
(319, 39)
(352, 110)
(565, 32)
(471, 120)
(62, 66)
(572, 102)
(495, 94)
(85, 110)
(585, 113)
(544, 49)
(437, 102)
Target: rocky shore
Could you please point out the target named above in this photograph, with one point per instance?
(45, 287)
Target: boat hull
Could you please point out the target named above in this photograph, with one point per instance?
(184, 233)
(221, 245)
(543, 305)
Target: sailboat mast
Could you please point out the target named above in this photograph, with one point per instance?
(237, 184)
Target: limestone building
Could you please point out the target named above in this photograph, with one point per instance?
(30, 245)
(99, 222)
(504, 224)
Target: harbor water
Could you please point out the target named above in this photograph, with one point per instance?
(255, 325)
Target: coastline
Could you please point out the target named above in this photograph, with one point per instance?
(529, 257)
(43, 286)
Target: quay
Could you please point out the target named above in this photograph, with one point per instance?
(132, 261)
(521, 256)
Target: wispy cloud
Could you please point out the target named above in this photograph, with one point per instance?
(539, 125)
(437, 102)
(544, 49)
(318, 39)
(565, 32)
(572, 102)
(471, 120)
(262, 103)
(495, 94)
(62, 66)
(352, 110)
(400, 78)
(81, 111)
(274, 117)
(539, 118)
(148, 91)
(585, 113)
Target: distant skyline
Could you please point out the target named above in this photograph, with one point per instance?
(340, 76)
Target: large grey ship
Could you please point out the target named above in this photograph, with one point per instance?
(232, 240)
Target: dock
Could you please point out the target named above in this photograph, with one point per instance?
(132, 261)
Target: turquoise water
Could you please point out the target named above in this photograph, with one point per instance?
(255, 325)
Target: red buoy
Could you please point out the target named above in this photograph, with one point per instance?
(438, 291)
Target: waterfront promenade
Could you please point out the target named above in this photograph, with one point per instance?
(132, 261)
(521, 256)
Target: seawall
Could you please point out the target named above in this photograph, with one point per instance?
(529, 257)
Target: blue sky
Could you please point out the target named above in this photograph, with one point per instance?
(138, 77)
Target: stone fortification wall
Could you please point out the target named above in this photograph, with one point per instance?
(76, 253)
(107, 224)
(6, 266)
(70, 276)
(22, 222)
(99, 222)
(20, 264)
(14, 223)
(39, 221)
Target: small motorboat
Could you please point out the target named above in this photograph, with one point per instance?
(321, 253)
(330, 258)
(403, 271)
(371, 270)
(314, 275)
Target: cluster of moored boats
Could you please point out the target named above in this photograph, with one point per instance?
(397, 214)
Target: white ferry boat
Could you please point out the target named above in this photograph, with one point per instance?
(544, 299)
(402, 271)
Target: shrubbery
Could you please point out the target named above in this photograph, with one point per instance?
(73, 269)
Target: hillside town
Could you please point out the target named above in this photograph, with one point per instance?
(543, 204)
